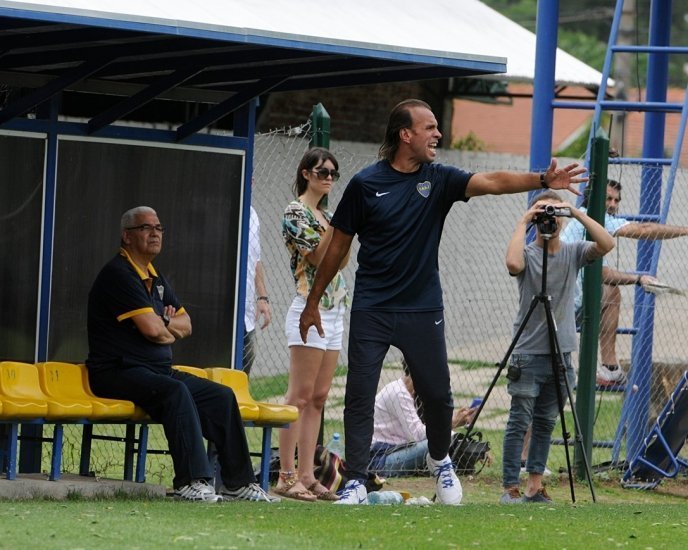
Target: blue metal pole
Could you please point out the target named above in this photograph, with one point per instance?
(47, 236)
(244, 125)
(637, 402)
(543, 84)
(542, 116)
(30, 452)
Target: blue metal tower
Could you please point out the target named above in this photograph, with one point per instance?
(656, 184)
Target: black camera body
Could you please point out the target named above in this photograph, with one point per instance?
(546, 220)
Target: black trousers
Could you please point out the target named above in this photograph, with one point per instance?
(190, 409)
(420, 337)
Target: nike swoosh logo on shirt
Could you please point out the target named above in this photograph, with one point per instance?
(378, 194)
(439, 322)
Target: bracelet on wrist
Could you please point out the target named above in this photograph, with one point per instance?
(543, 183)
(263, 299)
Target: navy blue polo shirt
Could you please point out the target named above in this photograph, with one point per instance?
(399, 219)
(120, 292)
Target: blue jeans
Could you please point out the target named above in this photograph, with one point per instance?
(407, 461)
(533, 401)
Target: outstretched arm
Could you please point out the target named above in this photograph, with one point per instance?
(651, 231)
(505, 182)
(334, 256)
(613, 277)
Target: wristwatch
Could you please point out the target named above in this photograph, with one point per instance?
(165, 319)
(543, 182)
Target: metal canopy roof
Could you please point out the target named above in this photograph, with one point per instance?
(226, 52)
(145, 50)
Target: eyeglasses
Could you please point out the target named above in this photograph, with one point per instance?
(322, 174)
(147, 228)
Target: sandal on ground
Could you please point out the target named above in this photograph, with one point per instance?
(289, 488)
(321, 492)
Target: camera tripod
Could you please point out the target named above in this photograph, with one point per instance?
(558, 370)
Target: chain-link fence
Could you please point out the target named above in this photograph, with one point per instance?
(480, 298)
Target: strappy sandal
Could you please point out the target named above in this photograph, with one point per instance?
(289, 490)
(321, 492)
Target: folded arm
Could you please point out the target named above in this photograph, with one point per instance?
(152, 327)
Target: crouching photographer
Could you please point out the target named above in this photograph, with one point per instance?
(531, 373)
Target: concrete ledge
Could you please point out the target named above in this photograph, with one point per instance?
(37, 486)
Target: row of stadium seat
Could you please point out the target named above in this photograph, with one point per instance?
(59, 393)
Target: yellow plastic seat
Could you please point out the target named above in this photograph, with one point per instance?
(134, 412)
(271, 413)
(69, 382)
(20, 391)
(249, 409)
(103, 407)
(275, 413)
(196, 371)
(127, 411)
(64, 390)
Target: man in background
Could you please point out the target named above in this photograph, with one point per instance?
(609, 372)
(257, 303)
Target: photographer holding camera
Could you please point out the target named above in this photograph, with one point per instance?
(530, 374)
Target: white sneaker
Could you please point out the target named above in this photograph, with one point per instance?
(354, 493)
(448, 489)
(198, 490)
(252, 492)
(610, 375)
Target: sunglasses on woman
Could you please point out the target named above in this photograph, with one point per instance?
(322, 174)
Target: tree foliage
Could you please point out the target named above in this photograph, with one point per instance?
(584, 27)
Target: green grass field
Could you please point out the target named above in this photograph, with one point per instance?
(621, 518)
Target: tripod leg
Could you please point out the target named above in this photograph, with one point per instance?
(559, 370)
(559, 367)
(502, 363)
(579, 440)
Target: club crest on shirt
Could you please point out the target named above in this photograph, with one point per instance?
(423, 188)
(161, 290)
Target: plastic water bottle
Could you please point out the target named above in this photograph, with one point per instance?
(419, 501)
(336, 446)
(385, 497)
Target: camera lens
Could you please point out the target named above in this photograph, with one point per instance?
(550, 210)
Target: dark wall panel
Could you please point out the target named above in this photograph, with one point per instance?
(21, 193)
(197, 197)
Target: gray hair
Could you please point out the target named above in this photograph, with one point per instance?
(130, 215)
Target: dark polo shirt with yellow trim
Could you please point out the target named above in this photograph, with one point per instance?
(120, 292)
